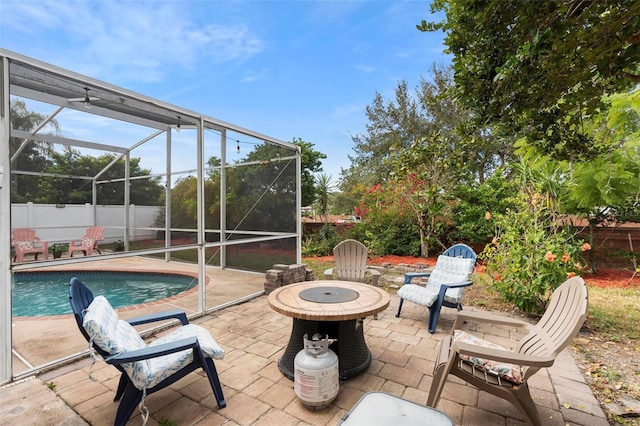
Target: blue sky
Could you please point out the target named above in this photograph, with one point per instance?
(287, 69)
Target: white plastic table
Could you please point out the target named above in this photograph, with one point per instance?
(382, 409)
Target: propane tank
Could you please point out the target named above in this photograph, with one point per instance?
(316, 373)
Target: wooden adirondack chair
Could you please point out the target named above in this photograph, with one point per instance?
(351, 263)
(89, 241)
(504, 372)
(24, 241)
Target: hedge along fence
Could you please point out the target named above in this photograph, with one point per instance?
(610, 245)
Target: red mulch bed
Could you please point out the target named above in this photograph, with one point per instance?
(603, 277)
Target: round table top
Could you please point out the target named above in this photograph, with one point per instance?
(370, 301)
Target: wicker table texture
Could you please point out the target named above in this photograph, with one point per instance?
(341, 320)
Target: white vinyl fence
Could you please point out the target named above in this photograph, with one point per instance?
(62, 222)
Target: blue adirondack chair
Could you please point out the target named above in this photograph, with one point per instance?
(446, 283)
(145, 369)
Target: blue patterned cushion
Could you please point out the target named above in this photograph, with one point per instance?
(208, 345)
(116, 336)
(164, 366)
(448, 270)
(107, 331)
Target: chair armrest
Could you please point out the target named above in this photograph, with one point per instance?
(160, 316)
(328, 274)
(153, 351)
(502, 355)
(445, 287)
(375, 276)
(373, 271)
(486, 317)
(408, 276)
(456, 285)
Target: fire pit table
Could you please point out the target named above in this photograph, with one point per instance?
(333, 308)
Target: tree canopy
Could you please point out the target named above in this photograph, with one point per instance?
(311, 164)
(408, 119)
(539, 68)
(68, 164)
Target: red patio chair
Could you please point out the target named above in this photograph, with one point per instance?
(89, 241)
(24, 241)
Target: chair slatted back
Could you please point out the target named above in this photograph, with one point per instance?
(80, 297)
(561, 321)
(460, 250)
(23, 234)
(351, 260)
(95, 233)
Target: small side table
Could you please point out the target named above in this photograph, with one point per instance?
(381, 409)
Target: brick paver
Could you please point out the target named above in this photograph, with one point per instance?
(258, 394)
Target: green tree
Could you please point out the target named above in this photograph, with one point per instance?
(419, 148)
(386, 226)
(539, 68)
(394, 126)
(71, 187)
(422, 181)
(32, 157)
(262, 194)
(324, 189)
(311, 163)
(184, 207)
(470, 221)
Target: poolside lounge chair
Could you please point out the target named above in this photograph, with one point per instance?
(446, 283)
(145, 368)
(504, 372)
(24, 241)
(351, 263)
(89, 241)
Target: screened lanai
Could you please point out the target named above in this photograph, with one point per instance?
(226, 209)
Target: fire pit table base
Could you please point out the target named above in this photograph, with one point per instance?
(353, 354)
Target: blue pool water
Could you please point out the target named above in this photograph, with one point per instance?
(47, 293)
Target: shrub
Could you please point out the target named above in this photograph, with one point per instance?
(385, 234)
(529, 256)
(322, 242)
(496, 194)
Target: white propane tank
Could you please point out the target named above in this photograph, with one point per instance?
(316, 376)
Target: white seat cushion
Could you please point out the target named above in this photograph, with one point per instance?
(448, 270)
(424, 296)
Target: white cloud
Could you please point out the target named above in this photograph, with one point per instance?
(366, 68)
(131, 41)
(252, 76)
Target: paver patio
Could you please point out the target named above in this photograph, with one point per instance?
(257, 393)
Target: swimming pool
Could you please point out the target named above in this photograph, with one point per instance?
(47, 293)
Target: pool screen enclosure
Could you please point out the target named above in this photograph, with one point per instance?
(230, 196)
